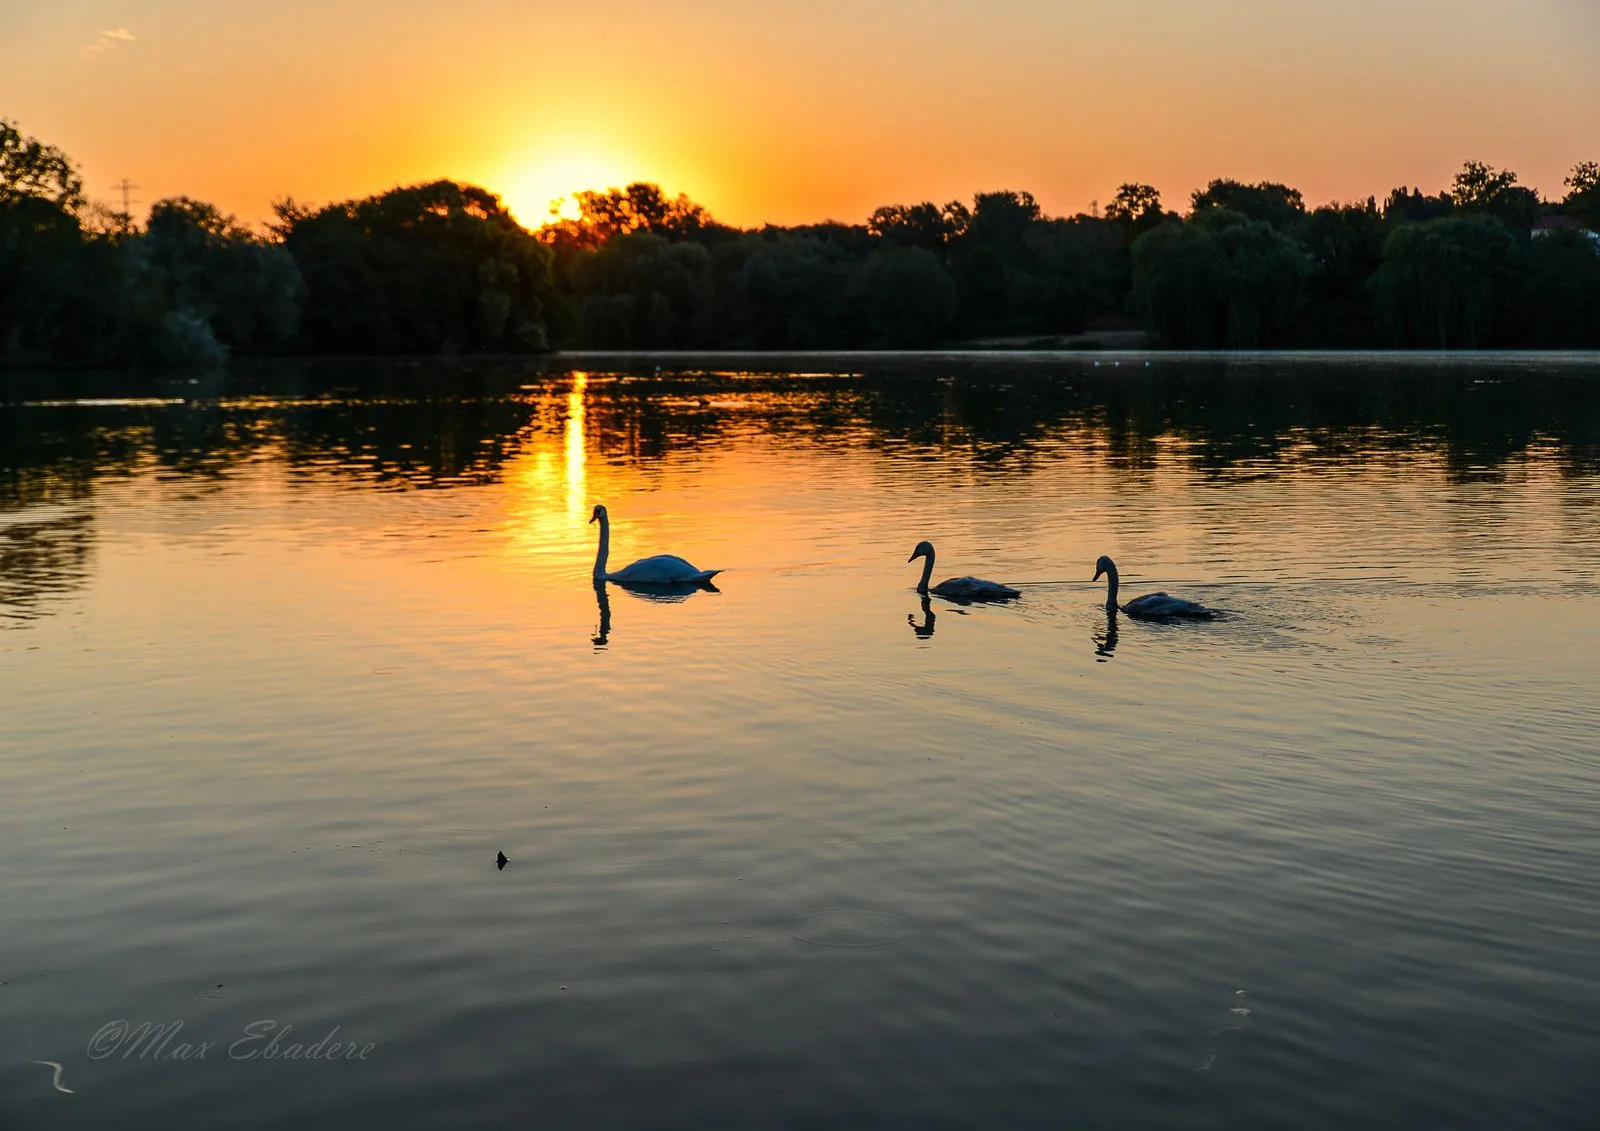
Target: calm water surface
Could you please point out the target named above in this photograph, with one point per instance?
(286, 659)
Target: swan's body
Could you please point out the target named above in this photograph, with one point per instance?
(1164, 605)
(662, 569)
(958, 588)
(1152, 606)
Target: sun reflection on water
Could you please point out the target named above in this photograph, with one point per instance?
(541, 473)
(576, 492)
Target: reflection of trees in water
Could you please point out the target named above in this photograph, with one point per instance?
(1220, 415)
(44, 556)
(422, 424)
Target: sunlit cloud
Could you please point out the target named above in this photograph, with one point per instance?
(106, 40)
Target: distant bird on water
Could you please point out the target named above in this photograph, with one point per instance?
(663, 569)
(959, 588)
(500, 861)
(1152, 606)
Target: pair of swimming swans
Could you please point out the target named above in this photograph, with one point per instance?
(1152, 606)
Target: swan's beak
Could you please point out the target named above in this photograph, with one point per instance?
(1096, 576)
(592, 518)
(913, 557)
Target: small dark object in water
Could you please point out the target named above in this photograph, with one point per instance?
(501, 861)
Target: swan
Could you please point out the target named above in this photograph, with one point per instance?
(1157, 606)
(959, 588)
(663, 569)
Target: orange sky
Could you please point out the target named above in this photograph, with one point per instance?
(797, 112)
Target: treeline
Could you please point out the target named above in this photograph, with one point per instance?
(444, 267)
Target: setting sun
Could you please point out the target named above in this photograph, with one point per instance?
(539, 188)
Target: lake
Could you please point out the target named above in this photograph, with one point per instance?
(287, 657)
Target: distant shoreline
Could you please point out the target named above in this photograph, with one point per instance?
(1030, 351)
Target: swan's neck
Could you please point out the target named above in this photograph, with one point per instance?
(927, 573)
(1111, 589)
(605, 549)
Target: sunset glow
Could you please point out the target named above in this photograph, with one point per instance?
(546, 184)
(792, 114)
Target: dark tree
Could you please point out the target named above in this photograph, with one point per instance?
(432, 267)
(921, 225)
(1560, 304)
(1000, 223)
(216, 276)
(443, 267)
(1268, 202)
(1345, 243)
(1413, 206)
(639, 291)
(1583, 195)
(1223, 280)
(1448, 283)
(641, 207)
(32, 170)
(1136, 207)
(910, 298)
(1495, 192)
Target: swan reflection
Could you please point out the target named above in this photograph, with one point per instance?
(603, 600)
(925, 629)
(1105, 642)
(669, 593)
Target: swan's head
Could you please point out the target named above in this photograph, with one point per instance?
(924, 550)
(599, 513)
(1104, 566)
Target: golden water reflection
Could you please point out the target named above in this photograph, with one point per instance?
(539, 473)
(576, 490)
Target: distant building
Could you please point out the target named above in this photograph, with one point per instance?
(1560, 223)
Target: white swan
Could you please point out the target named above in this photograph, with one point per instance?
(959, 588)
(663, 569)
(1157, 606)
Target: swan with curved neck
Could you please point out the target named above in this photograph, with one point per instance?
(958, 588)
(1156, 606)
(662, 569)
